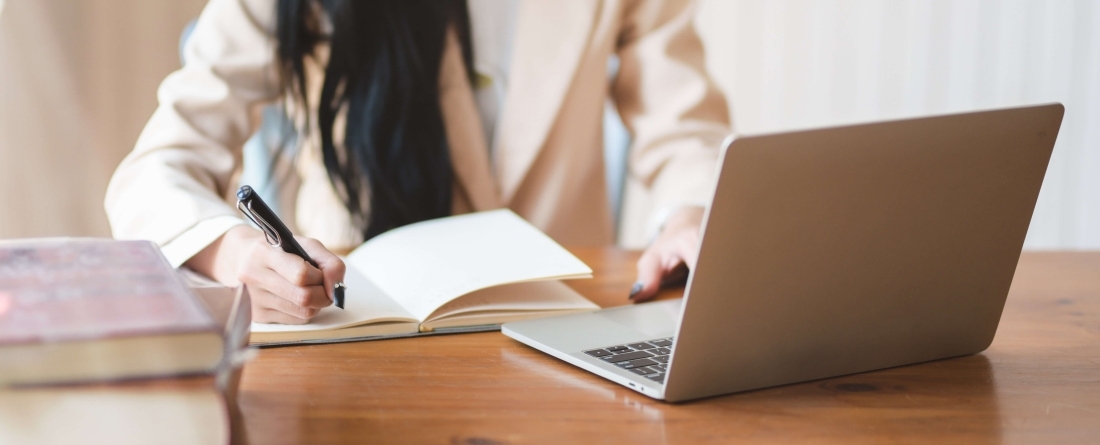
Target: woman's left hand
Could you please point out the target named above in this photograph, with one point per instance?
(671, 255)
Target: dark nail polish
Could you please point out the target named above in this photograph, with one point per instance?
(634, 290)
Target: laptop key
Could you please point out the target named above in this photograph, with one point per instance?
(661, 343)
(597, 352)
(662, 359)
(661, 351)
(618, 348)
(643, 371)
(660, 378)
(641, 346)
(642, 362)
(617, 358)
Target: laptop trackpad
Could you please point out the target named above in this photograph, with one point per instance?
(653, 320)
(607, 327)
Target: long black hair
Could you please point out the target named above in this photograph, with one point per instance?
(383, 71)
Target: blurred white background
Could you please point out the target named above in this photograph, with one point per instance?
(789, 64)
(78, 81)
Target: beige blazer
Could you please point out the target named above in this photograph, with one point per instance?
(548, 164)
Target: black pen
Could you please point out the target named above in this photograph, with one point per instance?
(277, 234)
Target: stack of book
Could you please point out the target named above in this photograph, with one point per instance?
(103, 341)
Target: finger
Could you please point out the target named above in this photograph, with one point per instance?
(265, 315)
(676, 276)
(269, 300)
(670, 268)
(687, 248)
(678, 257)
(649, 275)
(264, 302)
(267, 280)
(292, 268)
(332, 267)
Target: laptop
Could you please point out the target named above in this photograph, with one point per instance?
(829, 252)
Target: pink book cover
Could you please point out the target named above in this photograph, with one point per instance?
(86, 289)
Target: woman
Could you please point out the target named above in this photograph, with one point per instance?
(411, 110)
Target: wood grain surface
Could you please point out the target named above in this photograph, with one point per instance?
(1038, 383)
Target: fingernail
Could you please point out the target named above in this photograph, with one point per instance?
(634, 290)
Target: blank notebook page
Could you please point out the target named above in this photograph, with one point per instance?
(427, 264)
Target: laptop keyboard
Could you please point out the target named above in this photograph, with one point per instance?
(648, 359)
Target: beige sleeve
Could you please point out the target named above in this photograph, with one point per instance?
(171, 189)
(677, 115)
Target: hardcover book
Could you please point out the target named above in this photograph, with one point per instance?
(81, 310)
(197, 409)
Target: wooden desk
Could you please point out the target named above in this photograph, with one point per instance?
(1038, 383)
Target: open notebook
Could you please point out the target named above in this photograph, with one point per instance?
(458, 274)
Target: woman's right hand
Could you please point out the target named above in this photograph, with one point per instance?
(283, 287)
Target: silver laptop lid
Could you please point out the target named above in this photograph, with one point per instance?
(841, 250)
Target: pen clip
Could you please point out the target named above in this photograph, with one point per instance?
(269, 232)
